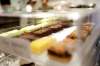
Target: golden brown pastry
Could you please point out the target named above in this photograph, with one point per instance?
(85, 30)
(70, 41)
(59, 53)
(83, 35)
(73, 35)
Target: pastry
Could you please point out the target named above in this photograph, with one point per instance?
(40, 45)
(85, 30)
(62, 51)
(50, 29)
(83, 35)
(59, 54)
(73, 35)
(56, 28)
(42, 32)
(29, 36)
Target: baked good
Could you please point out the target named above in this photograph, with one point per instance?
(87, 26)
(73, 35)
(56, 27)
(62, 51)
(28, 36)
(50, 29)
(59, 54)
(65, 23)
(84, 35)
(42, 32)
(85, 30)
(41, 45)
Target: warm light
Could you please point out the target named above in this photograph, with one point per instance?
(28, 8)
(63, 2)
(91, 4)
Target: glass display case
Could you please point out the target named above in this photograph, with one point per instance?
(61, 34)
(52, 38)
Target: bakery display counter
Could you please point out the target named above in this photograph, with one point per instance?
(47, 32)
(38, 38)
(56, 40)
